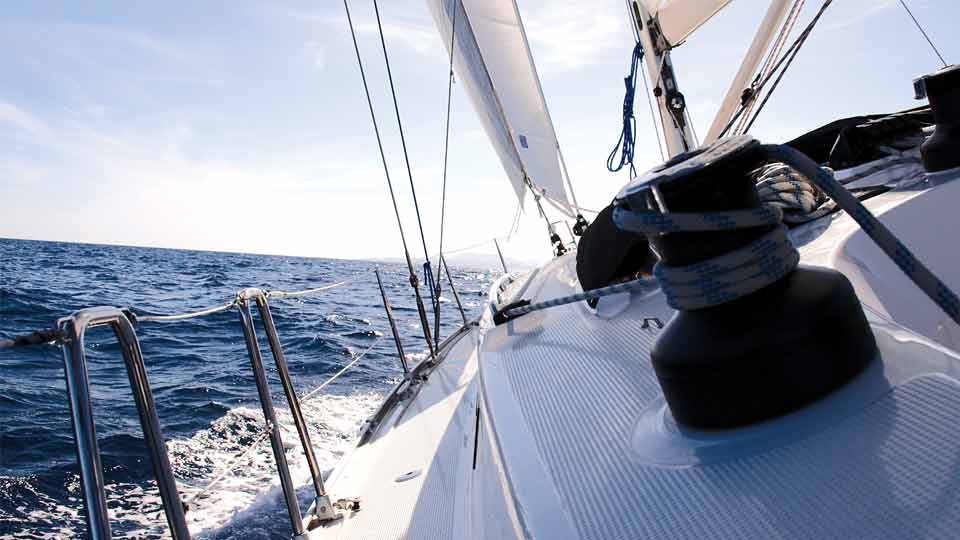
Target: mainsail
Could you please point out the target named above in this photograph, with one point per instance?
(493, 61)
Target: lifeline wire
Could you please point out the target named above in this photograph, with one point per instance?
(51, 336)
(269, 428)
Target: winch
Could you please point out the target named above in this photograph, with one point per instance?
(755, 334)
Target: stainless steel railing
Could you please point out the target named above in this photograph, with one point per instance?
(70, 335)
(73, 329)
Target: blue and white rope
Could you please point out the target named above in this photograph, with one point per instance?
(930, 284)
(772, 256)
(728, 276)
(640, 284)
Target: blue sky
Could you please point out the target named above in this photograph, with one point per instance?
(242, 126)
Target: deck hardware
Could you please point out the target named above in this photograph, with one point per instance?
(322, 507)
(656, 322)
(453, 289)
(393, 326)
(409, 475)
(349, 504)
(266, 403)
(84, 431)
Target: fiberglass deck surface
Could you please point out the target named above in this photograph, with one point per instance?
(592, 454)
(575, 440)
(428, 438)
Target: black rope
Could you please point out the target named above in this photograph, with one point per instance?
(414, 281)
(446, 154)
(446, 140)
(922, 31)
(40, 337)
(434, 297)
(403, 141)
(789, 55)
(792, 53)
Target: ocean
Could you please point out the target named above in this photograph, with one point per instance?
(201, 379)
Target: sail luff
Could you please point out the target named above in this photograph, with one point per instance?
(503, 85)
(572, 212)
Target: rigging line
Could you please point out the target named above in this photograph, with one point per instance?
(653, 116)
(376, 130)
(792, 53)
(305, 292)
(515, 224)
(414, 281)
(768, 62)
(403, 141)
(646, 83)
(229, 466)
(336, 375)
(922, 31)
(795, 45)
(446, 140)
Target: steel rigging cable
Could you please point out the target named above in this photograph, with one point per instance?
(788, 58)
(414, 282)
(427, 270)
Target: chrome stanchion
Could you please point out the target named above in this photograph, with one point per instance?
(393, 326)
(323, 508)
(266, 403)
(81, 412)
(446, 268)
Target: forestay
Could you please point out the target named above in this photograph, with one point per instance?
(492, 59)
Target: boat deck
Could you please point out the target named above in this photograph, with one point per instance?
(410, 474)
(576, 442)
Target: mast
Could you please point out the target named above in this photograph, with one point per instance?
(670, 102)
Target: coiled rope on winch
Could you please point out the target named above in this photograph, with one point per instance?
(724, 278)
(769, 258)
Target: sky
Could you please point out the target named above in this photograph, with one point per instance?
(242, 126)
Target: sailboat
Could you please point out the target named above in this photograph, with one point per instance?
(752, 341)
(809, 390)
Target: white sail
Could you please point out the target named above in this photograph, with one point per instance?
(492, 59)
(680, 18)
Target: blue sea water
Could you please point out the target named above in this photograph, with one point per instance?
(200, 375)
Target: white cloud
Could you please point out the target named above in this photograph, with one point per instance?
(415, 34)
(572, 34)
(875, 8)
(12, 115)
(317, 53)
